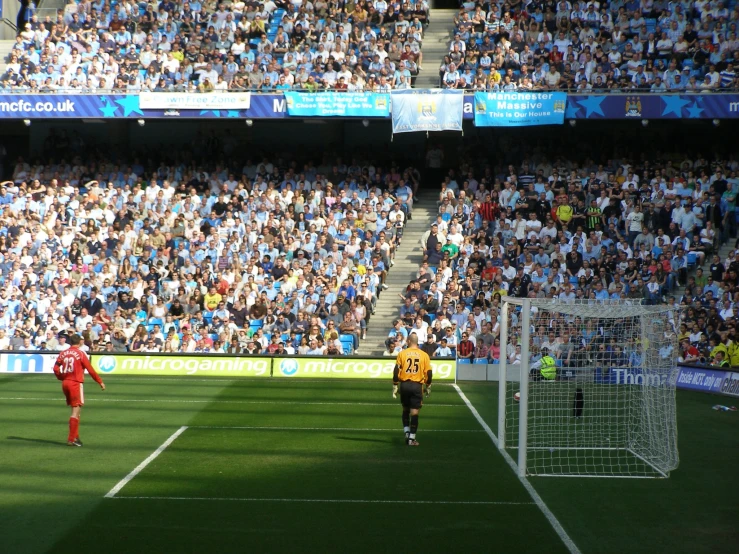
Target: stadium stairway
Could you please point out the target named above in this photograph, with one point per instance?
(407, 260)
(436, 40)
(5, 47)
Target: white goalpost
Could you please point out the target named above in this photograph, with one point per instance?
(587, 388)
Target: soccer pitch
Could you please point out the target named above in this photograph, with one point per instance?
(213, 465)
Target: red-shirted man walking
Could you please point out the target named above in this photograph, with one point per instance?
(70, 369)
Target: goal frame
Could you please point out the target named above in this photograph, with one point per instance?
(523, 412)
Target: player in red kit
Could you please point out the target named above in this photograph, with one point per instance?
(70, 369)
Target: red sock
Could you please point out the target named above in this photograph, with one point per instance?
(74, 427)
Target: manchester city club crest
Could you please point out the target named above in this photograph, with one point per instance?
(559, 106)
(633, 106)
(481, 107)
(427, 108)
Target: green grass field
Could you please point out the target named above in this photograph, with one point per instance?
(320, 466)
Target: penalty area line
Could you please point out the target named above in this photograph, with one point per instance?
(139, 468)
(383, 430)
(325, 500)
(553, 521)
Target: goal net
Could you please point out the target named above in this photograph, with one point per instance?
(588, 387)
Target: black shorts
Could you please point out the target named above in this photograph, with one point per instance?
(411, 394)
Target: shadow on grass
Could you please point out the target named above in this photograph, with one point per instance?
(361, 439)
(40, 441)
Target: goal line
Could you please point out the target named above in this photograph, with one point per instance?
(551, 518)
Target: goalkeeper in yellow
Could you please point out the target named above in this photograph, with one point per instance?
(412, 371)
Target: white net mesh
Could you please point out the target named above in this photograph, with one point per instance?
(600, 397)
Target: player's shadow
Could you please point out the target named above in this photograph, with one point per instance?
(360, 439)
(41, 441)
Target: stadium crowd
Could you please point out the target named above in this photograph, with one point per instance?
(268, 257)
(617, 46)
(209, 46)
(602, 231)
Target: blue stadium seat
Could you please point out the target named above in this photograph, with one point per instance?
(347, 343)
(463, 361)
(481, 361)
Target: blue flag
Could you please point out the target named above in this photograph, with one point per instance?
(337, 104)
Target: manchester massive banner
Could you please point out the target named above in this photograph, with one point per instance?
(427, 110)
(505, 109)
(428, 114)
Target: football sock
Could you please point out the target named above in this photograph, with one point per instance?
(412, 437)
(414, 426)
(74, 426)
(406, 421)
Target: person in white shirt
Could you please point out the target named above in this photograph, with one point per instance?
(634, 221)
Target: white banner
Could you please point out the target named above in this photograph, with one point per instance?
(427, 110)
(186, 101)
(27, 363)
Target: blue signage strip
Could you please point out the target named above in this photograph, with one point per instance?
(708, 379)
(512, 109)
(653, 106)
(108, 106)
(337, 104)
(427, 110)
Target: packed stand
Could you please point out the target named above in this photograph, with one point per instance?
(618, 46)
(269, 258)
(546, 229)
(207, 46)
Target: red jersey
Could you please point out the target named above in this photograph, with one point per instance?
(71, 365)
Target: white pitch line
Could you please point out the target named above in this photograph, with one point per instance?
(326, 500)
(281, 403)
(268, 428)
(553, 521)
(245, 380)
(139, 468)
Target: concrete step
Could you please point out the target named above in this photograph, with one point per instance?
(407, 259)
(436, 40)
(5, 47)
